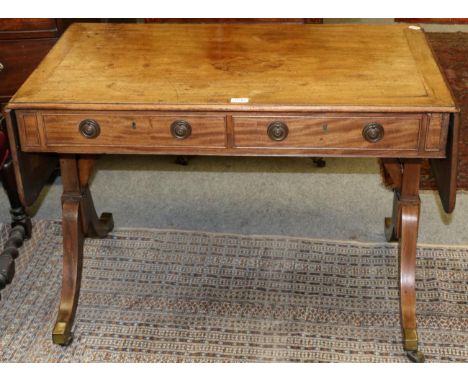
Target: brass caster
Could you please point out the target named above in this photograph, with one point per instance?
(61, 335)
(319, 162)
(104, 225)
(107, 220)
(416, 356)
(390, 234)
(182, 160)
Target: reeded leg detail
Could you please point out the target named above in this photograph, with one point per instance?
(79, 220)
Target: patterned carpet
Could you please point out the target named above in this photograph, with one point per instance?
(178, 296)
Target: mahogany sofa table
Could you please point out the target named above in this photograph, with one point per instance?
(251, 90)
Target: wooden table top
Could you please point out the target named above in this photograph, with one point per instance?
(204, 67)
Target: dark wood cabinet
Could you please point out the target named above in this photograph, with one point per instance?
(15, 27)
(18, 59)
(23, 44)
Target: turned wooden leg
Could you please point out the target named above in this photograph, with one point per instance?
(21, 226)
(403, 226)
(79, 219)
(17, 212)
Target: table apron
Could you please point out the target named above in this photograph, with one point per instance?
(404, 135)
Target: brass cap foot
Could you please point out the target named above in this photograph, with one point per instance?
(416, 356)
(61, 335)
(410, 340)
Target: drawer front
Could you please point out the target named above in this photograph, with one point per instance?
(18, 58)
(393, 133)
(135, 130)
(366, 135)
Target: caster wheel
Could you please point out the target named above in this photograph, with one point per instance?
(107, 220)
(319, 162)
(182, 160)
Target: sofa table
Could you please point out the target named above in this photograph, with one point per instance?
(237, 90)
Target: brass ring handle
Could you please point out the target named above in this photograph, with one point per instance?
(89, 128)
(277, 131)
(1, 66)
(373, 132)
(181, 129)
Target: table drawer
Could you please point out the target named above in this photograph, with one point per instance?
(128, 130)
(372, 133)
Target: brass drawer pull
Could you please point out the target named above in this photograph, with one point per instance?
(89, 128)
(373, 132)
(277, 131)
(1, 67)
(181, 129)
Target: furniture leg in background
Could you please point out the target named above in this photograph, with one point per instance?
(79, 220)
(403, 226)
(20, 224)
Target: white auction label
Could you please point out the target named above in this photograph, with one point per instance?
(239, 100)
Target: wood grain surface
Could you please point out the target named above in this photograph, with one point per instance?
(202, 67)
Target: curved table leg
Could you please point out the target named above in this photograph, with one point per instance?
(394, 172)
(94, 226)
(403, 226)
(392, 224)
(408, 240)
(72, 265)
(79, 220)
